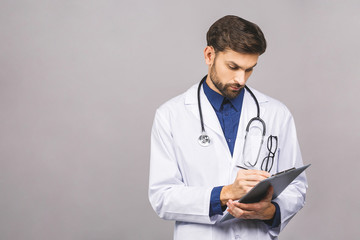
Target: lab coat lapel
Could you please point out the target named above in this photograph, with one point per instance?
(248, 111)
(209, 116)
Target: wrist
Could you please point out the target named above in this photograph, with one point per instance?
(225, 195)
(271, 212)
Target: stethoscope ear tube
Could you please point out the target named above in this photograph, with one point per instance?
(204, 139)
(248, 163)
(256, 101)
(199, 106)
(256, 119)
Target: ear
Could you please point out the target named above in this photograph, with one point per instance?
(209, 54)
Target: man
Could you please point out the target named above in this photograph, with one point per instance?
(194, 181)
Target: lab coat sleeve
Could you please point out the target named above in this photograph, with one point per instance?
(292, 199)
(169, 196)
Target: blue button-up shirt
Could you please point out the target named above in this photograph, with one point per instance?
(228, 112)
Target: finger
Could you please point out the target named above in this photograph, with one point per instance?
(233, 210)
(237, 212)
(248, 184)
(248, 215)
(253, 177)
(252, 207)
(243, 214)
(257, 172)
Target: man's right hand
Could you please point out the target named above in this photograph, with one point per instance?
(244, 182)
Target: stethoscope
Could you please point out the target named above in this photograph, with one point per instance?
(204, 139)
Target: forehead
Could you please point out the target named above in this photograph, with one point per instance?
(241, 59)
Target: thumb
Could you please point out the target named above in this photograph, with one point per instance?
(269, 194)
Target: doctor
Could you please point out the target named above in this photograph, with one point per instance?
(195, 181)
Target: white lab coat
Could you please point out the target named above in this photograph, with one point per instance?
(183, 173)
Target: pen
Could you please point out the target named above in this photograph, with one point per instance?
(275, 174)
(242, 167)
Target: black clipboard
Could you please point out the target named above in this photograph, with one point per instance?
(279, 182)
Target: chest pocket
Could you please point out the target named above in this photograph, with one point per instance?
(261, 153)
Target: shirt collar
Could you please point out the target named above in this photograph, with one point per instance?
(216, 99)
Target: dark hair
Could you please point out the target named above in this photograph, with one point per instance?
(237, 34)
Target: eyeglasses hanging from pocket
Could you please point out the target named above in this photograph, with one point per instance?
(268, 161)
(252, 149)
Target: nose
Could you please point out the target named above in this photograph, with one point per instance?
(240, 77)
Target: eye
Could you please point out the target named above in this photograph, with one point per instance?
(232, 67)
(249, 70)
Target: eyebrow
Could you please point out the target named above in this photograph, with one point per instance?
(237, 66)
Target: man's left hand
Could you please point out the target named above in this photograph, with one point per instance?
(263, 210)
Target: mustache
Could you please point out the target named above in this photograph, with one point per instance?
(235, 85)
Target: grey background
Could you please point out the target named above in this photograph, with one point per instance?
(80, 82)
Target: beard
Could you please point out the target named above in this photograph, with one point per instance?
(225, 89)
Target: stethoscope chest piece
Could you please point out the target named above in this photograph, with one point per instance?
(204, 140)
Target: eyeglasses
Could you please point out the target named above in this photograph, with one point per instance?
(252, 148)
(268, 161)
